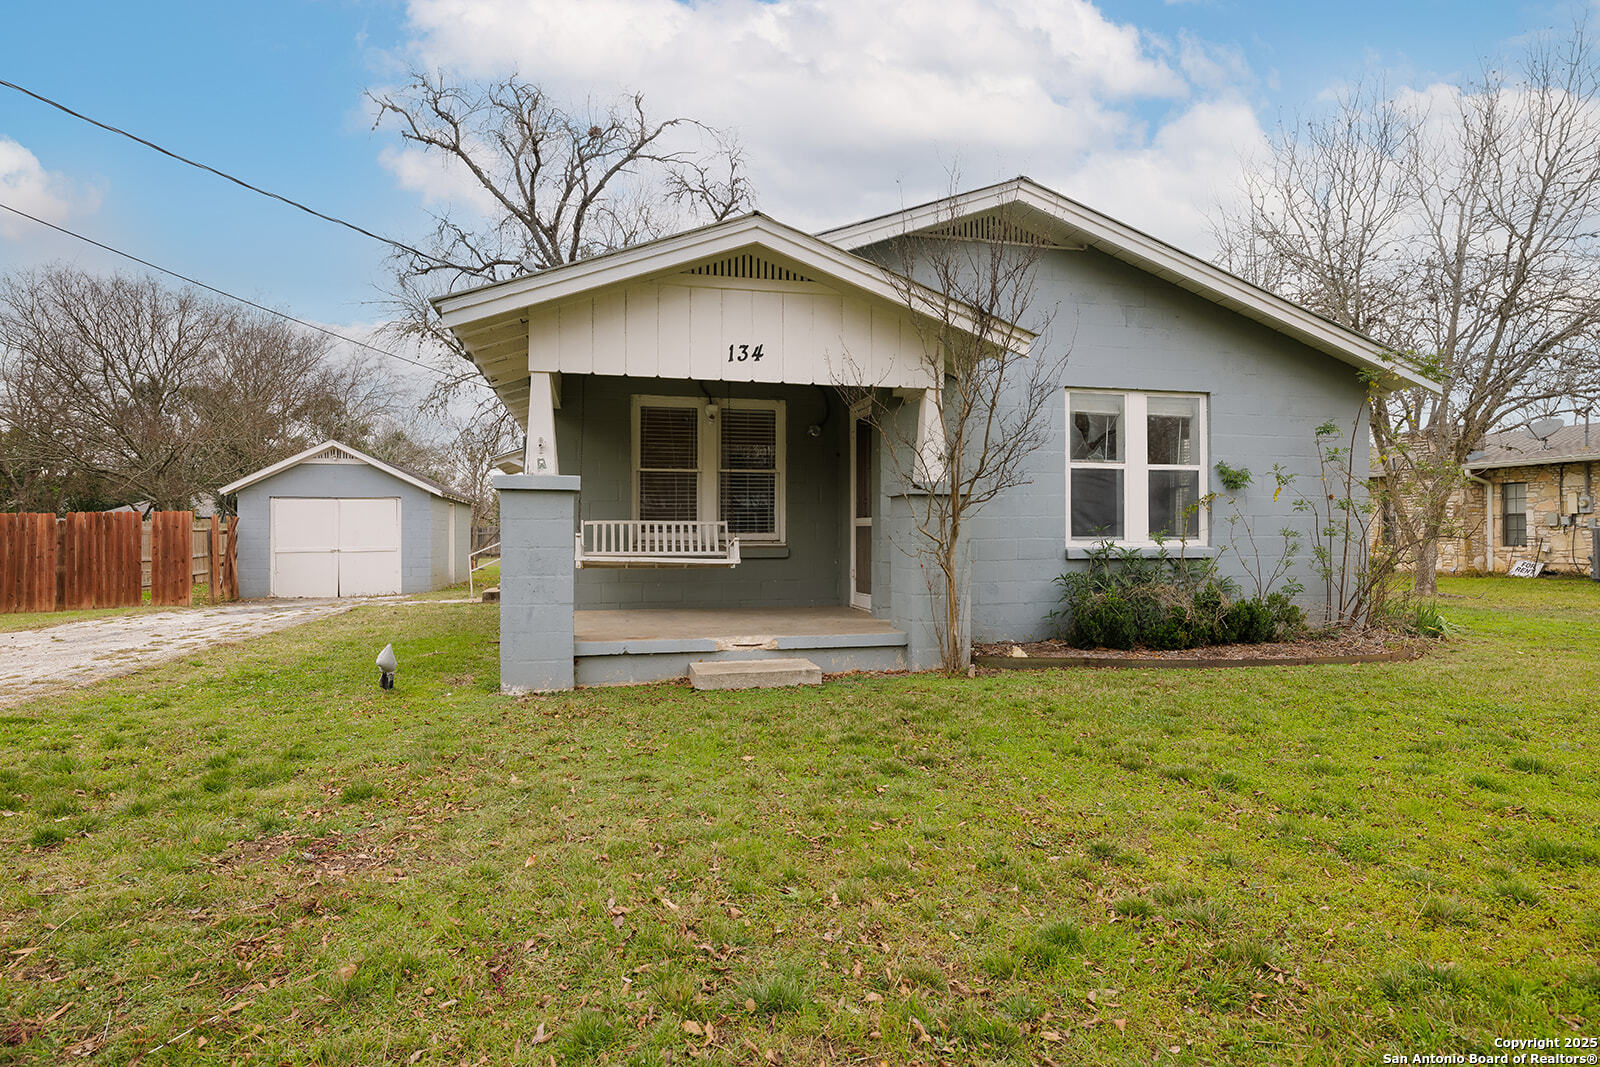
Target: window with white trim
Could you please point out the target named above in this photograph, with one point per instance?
(1136, 467)
(702, 460)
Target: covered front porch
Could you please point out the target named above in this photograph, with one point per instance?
(699, 481)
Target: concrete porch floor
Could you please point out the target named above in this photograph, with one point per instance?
(740, 625)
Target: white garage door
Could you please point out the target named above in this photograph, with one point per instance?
(323, 547)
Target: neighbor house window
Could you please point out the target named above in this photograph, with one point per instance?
(697, 459)
(1514, 512)
(1136, 466)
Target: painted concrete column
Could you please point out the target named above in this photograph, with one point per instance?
(916, 587)
(537, 518)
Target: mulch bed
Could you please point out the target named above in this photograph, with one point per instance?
(1343, 647)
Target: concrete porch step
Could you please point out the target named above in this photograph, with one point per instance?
(753, 673)
(491, 595)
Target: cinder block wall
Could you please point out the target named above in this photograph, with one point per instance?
(1128, 330)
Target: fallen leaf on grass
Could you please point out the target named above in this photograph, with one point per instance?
(1120, 1024)
(692, 1027)
(1049, 1035)
(539, 1036)
(348, 971)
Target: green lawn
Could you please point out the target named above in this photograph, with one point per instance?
(257, 849)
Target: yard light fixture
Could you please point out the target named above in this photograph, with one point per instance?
(386, 667)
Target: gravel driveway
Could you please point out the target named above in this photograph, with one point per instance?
(33, 662)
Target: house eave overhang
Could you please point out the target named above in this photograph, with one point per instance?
(1082, 225)
(505, 305)
(1532, 461)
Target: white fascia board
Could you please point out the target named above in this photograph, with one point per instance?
(1148, 253)
(461, 309)
(301, 457)
(1545, 461)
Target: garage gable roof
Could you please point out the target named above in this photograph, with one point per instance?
(338, 450)
(1081, 225)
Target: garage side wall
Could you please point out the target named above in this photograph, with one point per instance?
(333, 480)
(447, 513)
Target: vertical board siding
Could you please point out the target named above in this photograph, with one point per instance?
(809, 335)
(171, 558)
(95, 559)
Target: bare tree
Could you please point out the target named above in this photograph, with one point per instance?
(969, 438)
(472, 450)
(158, 395)
(561, 185)
(1464, 235)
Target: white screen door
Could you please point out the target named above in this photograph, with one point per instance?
(861, 514)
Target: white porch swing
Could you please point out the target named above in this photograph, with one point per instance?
(638, 543)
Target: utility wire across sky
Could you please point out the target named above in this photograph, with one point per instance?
(403, 247)
(223, 292)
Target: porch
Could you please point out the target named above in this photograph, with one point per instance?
(617, 647)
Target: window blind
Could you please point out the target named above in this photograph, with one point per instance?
(669, 467)
(748, 481)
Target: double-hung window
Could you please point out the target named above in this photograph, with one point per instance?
(701, 460)
(1514, 508)
(1136, 467)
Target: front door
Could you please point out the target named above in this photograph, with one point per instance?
(861, 501)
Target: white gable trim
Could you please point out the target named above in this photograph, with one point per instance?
(354, 455)
(1139, 249)
(828, 262)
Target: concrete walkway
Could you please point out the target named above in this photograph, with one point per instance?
(33, 662)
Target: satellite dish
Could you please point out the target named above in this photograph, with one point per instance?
(1543, 428)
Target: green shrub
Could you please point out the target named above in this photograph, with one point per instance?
(1288, 621)
(1124, 599)
(1102, 620)
(1246, 622)
(1170, 630)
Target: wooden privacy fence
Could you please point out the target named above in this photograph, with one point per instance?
(106, 559)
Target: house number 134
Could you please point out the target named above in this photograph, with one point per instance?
(740, 353)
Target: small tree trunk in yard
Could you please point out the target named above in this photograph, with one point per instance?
(1426, 580)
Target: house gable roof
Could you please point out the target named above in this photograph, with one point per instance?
(493, 321)
(337, 450)
(1068, 222)
(820, 261)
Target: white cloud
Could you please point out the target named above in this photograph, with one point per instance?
(849, 109)
(27, 186)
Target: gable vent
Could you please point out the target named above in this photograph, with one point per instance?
(990, 228)
(332, 454)
(749, 266)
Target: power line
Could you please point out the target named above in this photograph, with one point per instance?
(224, 292)
(221, 174)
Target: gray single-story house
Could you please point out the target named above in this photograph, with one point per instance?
(333, 521)
(698, 486)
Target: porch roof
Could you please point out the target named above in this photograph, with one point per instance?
(668, 308)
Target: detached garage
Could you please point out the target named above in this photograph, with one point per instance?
(332, 521)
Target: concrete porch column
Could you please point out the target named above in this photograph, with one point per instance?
(538, 516)
(916, 588)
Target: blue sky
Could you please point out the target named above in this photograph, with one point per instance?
(1139, 107)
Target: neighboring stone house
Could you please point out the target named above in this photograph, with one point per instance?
(1526, 498)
